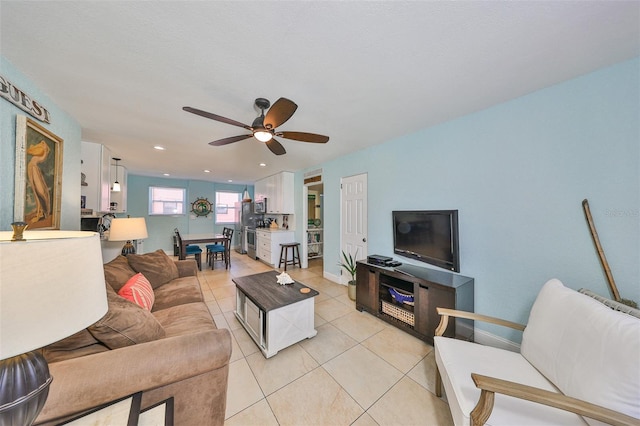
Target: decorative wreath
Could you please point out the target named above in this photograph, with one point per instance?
(201, 207)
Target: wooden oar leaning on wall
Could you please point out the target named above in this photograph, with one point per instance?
(603, 258)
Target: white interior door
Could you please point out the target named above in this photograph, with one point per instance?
(354, 217)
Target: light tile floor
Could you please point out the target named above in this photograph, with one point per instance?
(358, 370)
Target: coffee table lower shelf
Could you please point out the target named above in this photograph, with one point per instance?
(278, 328)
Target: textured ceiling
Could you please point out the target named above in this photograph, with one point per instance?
(361, 72)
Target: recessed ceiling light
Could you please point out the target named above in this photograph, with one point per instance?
(230, 180)
(159, 148)
(166, 174)
(263, 165)
(207, 171)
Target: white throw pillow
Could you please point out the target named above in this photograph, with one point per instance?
(586, 349)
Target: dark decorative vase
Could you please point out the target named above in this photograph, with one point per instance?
(24, 387)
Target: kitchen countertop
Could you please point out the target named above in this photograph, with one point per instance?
(274, 230)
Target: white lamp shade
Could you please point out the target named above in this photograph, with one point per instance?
(51, 286)
(130, 228)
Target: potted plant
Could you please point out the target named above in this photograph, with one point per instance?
(349, 263)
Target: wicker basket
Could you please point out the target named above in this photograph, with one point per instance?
(398, 313)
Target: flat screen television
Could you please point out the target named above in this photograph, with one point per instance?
(430, 236)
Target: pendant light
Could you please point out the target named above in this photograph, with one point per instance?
(116, 184)
(245, 196)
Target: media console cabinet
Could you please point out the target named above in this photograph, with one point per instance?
(430, 289)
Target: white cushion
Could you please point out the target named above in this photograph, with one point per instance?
(586, 349)
(456, 361)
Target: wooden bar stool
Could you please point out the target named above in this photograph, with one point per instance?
(284, 254)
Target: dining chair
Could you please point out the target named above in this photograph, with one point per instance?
(190, 250)
(213, 250)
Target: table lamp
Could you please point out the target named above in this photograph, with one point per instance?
(51, 286)
(127, 229)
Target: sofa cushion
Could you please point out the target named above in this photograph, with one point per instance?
(586, 349)
(457, 359)
(117, 272)
(125, 324)
(139, 291)
(156, 266)
(185, 319)
(79, 344)
(178, 292)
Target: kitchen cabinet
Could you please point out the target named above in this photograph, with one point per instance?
(260, 189)
(96, 160)
(278, 189)
(268, 245)
(100, 174)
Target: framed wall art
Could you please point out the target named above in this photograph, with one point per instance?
(38, 184)
(201, 207)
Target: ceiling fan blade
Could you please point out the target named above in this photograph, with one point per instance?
(304, 137)
(215, 117)
(280, 112)
(232, 139)
(276, 147)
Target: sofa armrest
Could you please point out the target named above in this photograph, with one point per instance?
(85, 382)
(445, 313)
(490, 385)
(187, 267)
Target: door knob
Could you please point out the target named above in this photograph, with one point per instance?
(364, 240)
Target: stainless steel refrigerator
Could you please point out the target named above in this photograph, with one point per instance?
(245, 219)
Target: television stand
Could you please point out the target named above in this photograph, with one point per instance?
(430, 289)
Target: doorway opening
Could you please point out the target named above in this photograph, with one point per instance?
(315, 226)
(313, 221)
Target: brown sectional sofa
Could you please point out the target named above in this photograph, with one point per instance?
(173, 351)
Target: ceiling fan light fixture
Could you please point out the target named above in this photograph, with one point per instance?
(264, 127)
(263, 135)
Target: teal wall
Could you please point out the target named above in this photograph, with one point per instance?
(160, 228)
(62, 125)
(517, 173)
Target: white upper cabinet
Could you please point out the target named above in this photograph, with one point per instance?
(278, 190)
(260, 190)
(96, 159)
(100, 174)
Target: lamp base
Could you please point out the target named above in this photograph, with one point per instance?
(128, 248)
(24, 387)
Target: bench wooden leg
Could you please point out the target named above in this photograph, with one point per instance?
(297, 256)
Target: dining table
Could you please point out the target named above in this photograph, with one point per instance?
(207, 238)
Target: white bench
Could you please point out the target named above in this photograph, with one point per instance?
(579, 361)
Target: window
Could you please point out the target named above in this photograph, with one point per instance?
(166, 201)
(226, 206)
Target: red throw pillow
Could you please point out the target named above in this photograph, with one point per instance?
(138, 290)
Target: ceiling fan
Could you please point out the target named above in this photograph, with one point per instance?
(264, 126)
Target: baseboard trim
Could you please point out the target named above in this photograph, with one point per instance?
(489, 339)
(332, 277)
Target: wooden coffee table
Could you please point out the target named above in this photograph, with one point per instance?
(275, 316)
